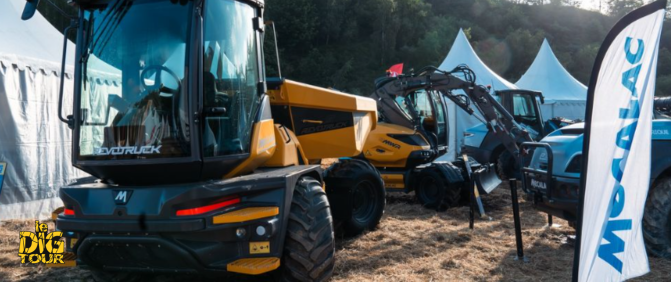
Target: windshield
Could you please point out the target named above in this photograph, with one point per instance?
(133, 88)
(419, 101)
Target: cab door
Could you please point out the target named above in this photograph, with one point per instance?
(441, 125)
(524, 107)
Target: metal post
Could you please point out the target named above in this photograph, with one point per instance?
(471, 213)
(516, 217)
(549, 220)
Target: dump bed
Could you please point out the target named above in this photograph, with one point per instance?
(328, 123)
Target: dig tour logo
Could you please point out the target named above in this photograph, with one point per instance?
(41, 246)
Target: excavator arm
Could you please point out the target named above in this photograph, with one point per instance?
(457, 85)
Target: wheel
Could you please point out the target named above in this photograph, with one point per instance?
(657, 219)
(367, 195)
(507, 167)
(367, 207)
(309, 246)
(435, 192)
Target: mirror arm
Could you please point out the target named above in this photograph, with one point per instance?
(69, 120)
(277, 51)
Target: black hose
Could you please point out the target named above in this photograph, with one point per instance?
(663, 104)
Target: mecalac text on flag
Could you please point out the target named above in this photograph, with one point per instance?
(616, 173)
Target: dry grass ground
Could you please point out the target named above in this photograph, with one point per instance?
(411, 244)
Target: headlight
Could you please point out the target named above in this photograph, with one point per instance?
(362, 126)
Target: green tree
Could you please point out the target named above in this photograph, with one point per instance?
(619, 8)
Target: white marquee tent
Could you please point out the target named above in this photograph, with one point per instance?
(33, 142)
(564, 95)
(462, 53)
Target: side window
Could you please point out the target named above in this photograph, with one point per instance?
(440, 113)
(423, 105)
(400, 101)
(523, 111)
(230, 76)
(522, 106)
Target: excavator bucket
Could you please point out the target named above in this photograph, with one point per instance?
(486, 178)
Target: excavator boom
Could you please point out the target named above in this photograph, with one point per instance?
(457, 85)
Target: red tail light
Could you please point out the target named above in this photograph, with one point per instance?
(69, 212)
(208, 208)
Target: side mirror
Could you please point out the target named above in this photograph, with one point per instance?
(29, 9)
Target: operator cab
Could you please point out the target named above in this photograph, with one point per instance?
(166, 92)
(524, 107)
(429, 110)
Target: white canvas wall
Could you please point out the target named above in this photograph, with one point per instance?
(35, 144)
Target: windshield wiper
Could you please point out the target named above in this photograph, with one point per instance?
(112, 19)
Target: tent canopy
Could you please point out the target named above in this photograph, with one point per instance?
(34, 43)
(564, 95)
(33, 142)
(461, 53)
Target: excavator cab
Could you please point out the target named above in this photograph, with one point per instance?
(525, 108)
(431, 115)
(413, 133)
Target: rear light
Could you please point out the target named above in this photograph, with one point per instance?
(208, 208)
(69, 212)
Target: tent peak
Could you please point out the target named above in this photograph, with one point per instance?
(462, 52)
(548, 75)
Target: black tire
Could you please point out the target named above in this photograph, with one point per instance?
(657, 219)
(507, 167)
(368, 194)
(309, 247)
(434, 191)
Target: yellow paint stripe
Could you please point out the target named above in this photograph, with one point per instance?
(56, 212)
(66, 263)
(246, 214)
(253, 266)
(69, 260)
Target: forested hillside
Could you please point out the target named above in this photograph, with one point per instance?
(346, 44)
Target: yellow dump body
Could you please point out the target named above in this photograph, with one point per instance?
(327, 123)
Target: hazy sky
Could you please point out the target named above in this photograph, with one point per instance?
(591, 4)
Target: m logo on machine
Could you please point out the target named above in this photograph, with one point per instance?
(41, 246)
(121, 197)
